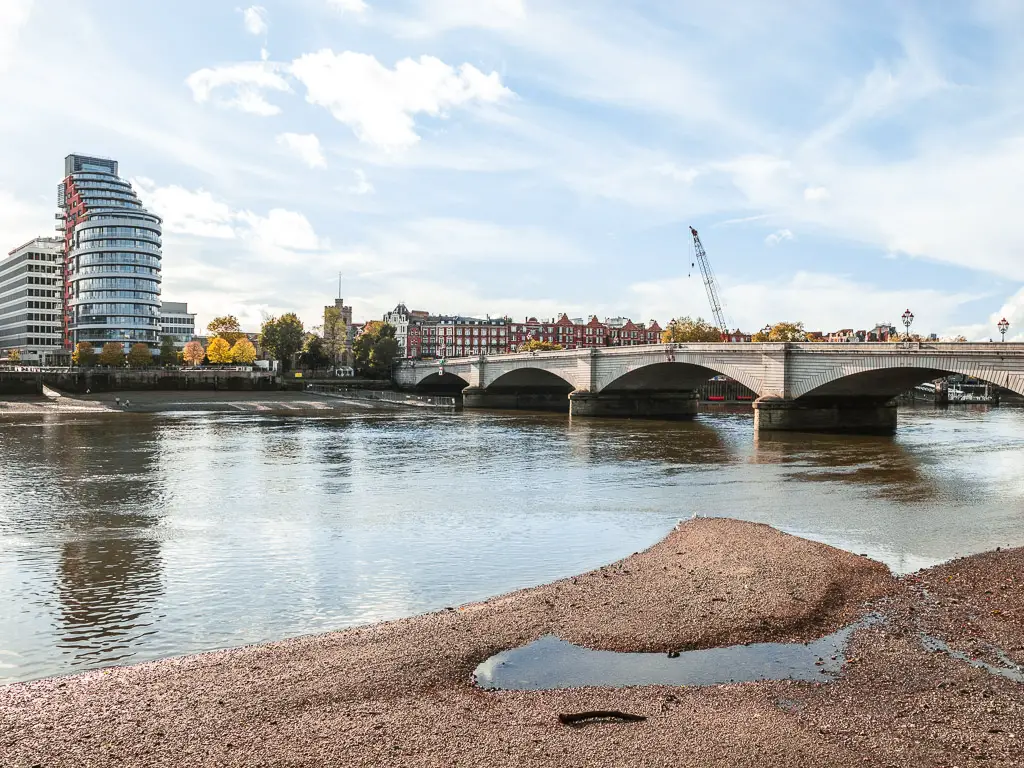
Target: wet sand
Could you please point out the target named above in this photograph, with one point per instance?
(399, 693)
(169, 401)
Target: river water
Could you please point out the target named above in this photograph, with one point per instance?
(126, 537)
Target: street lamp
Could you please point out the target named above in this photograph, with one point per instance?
(908, 318)
(1003, 326)
(766, 330)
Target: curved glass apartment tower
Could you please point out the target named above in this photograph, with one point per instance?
(111, 257)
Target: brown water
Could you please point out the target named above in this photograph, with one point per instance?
(126, 537)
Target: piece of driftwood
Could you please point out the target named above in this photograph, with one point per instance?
(571, 718)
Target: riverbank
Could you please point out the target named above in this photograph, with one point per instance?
(399, 693)
(168, 401)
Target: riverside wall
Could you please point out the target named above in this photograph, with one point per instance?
(80, 381)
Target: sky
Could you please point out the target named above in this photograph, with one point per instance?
(842, 162)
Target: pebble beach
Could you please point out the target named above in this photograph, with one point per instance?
(401, 692)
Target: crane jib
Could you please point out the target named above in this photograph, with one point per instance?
(710, 283)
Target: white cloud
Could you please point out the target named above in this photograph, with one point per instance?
(199, 214)
(281, 229)
(254, 18)
(306, 146)
(13, 16)
(362, 185)
(379, 104)
(778, 236)
(348, 6)
(815, 194)
(247, 81)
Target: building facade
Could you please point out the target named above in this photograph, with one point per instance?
(112, 258)
(177, 322)
(30, 301)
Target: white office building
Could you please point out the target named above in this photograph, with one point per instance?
(30, 301)
(177, 322)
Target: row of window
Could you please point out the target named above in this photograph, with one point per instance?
(41, 329)
(41, 316)
(89, 232)
(111, 334)
(124, 269)
(117, 257)
(117, 283)
(35, 341)
(41, 292)
(42, 268)
(178, 320)
(117, 309)
(42, 305)
(134, 321)
(147, 296)
(110, 244)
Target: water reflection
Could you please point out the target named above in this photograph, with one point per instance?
(881, 464)
(132, 536)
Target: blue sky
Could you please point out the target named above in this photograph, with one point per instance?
(841, 161)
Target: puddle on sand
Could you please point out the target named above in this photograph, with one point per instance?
(549, 663)
(1009, 670)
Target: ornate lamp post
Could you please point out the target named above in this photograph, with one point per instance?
(908, 318)
(766, 330)
(1003, 326)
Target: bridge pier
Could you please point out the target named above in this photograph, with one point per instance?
(843, 416)
(634, 404)
(499, 400)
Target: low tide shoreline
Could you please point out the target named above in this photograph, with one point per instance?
(399, 693)
(155, 401)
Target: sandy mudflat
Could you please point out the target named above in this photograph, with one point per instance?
(399, 693)
(166, 401)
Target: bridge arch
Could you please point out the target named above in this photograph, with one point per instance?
(884, 379)
(532, 379)
(449, 383)
(680, 374)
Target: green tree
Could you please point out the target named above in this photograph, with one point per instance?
(314, 353)
(536, 345)
(243, 352)
(375, 350)
(112, 354)
(225, 327)
(219, 351)
(84, 355)
(687, 330)
(282, 337)
(335, 335)
(168, 354)
(193, 353)
(14, 355)
(139, 356)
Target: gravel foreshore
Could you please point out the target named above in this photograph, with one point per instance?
(400, 692)
(157, 401)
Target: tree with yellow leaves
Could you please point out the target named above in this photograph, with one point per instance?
(536, 345)
(84, 355)
(219, 351)
(687, 330)
(243, 352)
(139, 356)
(194, 353)
(782, 332)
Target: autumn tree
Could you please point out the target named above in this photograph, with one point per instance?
(314, 354)
(335, 338)
(112, 354)
(376, 349)
(782, 332)
(84, 354)
(687, 330)
(168, 354)
(226, 327)
(139, 356)
(244, 352)
(219, 351)
(14, 355)
(194, 353)
(282, 337)
(536, 345)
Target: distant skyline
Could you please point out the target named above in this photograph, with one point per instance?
(842, 163)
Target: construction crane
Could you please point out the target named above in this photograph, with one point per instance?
(710, 283)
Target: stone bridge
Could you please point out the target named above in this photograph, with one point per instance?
(801, 387)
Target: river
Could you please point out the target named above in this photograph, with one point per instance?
(126, 537)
